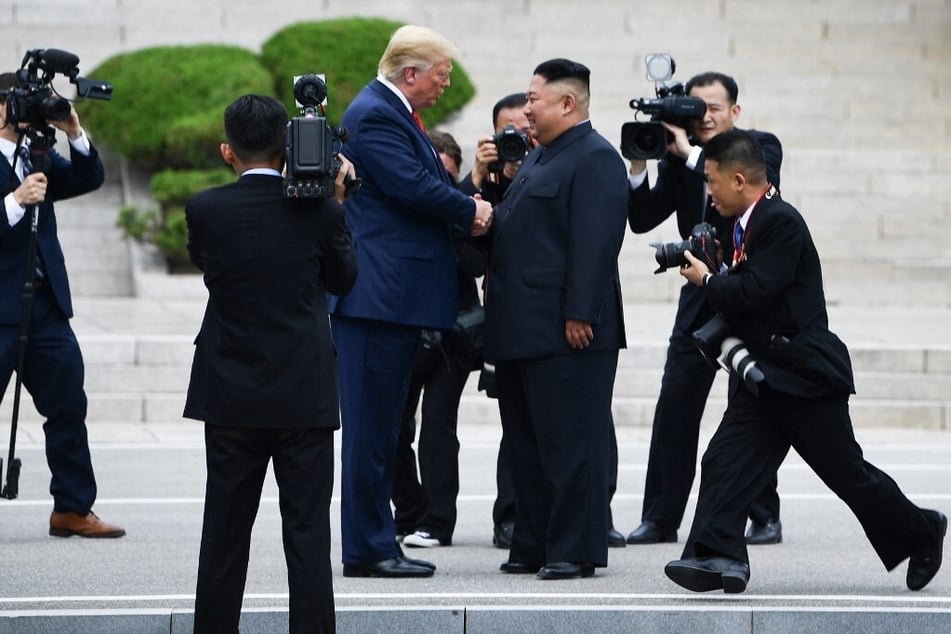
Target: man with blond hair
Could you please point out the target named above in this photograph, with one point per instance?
(402, 219)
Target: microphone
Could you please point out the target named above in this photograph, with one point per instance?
(59, 61)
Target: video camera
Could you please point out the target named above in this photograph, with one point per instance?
(641, 140)
(512, 145)
(312, 144)
(33, 102)
(701, 243)
(721, 349)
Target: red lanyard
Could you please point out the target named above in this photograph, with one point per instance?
(739, 250)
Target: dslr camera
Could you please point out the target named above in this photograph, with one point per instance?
(641, 140)
(312, 145)
(512, 145)
(722, 349)
(32, 101)
(701, 243)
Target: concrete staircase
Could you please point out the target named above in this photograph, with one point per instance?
(856, 90)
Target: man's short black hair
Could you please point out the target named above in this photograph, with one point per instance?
(255, 126)
(737, 150)
(515, 100)
(560, 68)
(8, 81)
(711, 77)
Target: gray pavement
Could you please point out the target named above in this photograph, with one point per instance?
(823, 577)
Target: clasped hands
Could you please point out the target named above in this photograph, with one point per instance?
(483, 216)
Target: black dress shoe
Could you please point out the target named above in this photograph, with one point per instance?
(769, 533)
(418, 562)
(518, 568)
(923, 566)
(502, 534)
(650, 533)
(390, 568)
(565, 570)
(616, 539)
(702, 574)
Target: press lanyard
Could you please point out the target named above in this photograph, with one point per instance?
(739, 235)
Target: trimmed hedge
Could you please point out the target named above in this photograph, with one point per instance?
(169, 102)
(168, 107)
(347, 51)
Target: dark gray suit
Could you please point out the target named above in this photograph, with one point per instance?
(557, 234)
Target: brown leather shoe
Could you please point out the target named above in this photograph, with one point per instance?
(69, 524)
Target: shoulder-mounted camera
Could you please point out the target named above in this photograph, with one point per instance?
(312, 145)
(641, 140)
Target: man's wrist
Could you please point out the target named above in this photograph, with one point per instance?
(706, 278)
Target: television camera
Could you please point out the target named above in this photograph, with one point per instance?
(641, 140)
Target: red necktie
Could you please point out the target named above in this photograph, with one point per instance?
(418, 121)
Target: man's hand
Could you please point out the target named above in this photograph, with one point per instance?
(32, 190)
(70, 125)
(578, 333)
(346, 169)
(483, 216)
(486, 153)
(680, 146)
(695, 270)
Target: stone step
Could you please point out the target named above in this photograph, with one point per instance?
(144, 379)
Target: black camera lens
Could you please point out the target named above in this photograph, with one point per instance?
(642, 140)
(310, 90)
(53, 108)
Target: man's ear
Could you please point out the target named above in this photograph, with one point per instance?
(568, 103)
(226, 153)
(739, 181)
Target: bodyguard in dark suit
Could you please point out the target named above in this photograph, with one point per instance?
(554, 326)
(679, 188)
(264, 378)
(53, 363)
(402, 218)
(773, 298)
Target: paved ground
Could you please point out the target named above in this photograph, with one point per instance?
(824, 576)
(151, 482)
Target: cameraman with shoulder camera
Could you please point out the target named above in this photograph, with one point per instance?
(264, 376)
(772, 296)
(679, 188)
(53, 364)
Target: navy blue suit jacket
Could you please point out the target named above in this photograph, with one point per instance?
(556, 238)
(402, 218)
(67, 178)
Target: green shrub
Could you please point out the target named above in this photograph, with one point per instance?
(166, 227)
(347, 51)
(169, 102)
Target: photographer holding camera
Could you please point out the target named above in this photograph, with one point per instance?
(264, 376)
(773, 298)
(687, 380)
(52, 360)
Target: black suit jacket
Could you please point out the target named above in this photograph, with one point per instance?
(66, 178)
(681, 190)
(557, 234)
(776, 304)
(264, 355)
